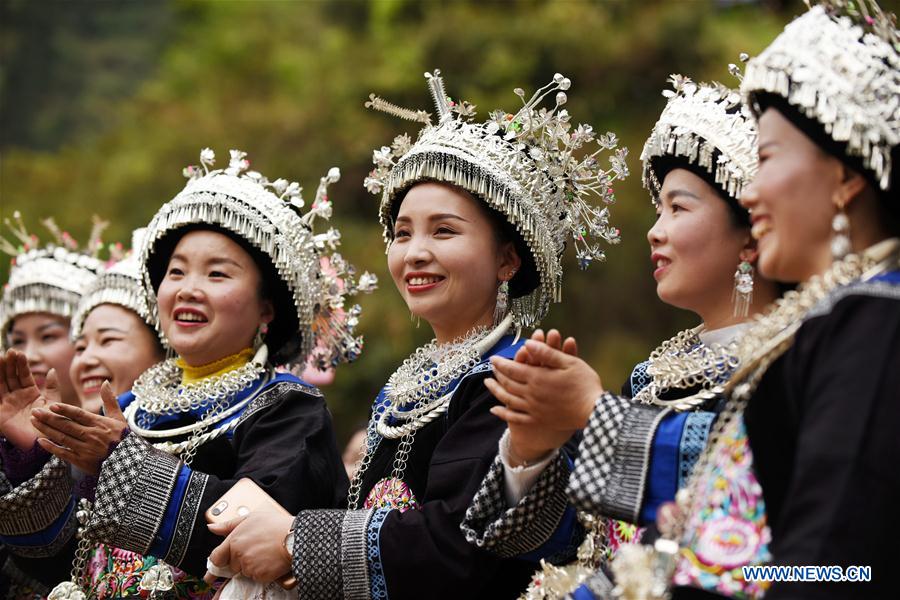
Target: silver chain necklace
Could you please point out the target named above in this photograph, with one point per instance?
(159, 391)
(416, 394)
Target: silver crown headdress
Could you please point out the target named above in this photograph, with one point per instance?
(839, 64)
(119, 284)
(267, 215)
(529, 166)
(707, 125)
(49, 279)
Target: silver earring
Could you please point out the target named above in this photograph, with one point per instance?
(840, 235)
(260, 336)
(414, 319)
(502, 302)
(742, 296)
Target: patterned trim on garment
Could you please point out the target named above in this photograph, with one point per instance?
(317, 554)
(693, 441)
(353, 553)
(624, 493)
(613, 458)
(274, 394)
(490, 524)
(62, 538)
(482, 367)
(378, 590)
(37, 503)
(877, 289)
(135, 486)
(187, 517)
(639, 377)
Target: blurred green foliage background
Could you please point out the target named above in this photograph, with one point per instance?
(102, 103)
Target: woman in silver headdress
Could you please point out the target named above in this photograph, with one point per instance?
(818, 384)
(476, 216)
(640, 446)
(115, 340)
(809, 425)
(236, 285)
(39, 300)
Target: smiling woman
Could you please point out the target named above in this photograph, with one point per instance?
(191, 425)
(211, 302)
(475, 240)
(39, 300)
(639, 446)
(447, 257)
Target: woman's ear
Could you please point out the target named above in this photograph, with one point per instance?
(510, 262)
(267, 314)
(749, 252)
(851, 187)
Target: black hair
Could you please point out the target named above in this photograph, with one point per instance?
(662, 165)
(815, 131)
(283, 338)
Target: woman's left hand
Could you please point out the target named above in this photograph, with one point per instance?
(254, 546)
(79, 437)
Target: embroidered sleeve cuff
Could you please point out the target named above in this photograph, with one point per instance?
(133, 492)
(38, 502)
(491, 524)
(317, 561)
(47, 542)
(611, 470)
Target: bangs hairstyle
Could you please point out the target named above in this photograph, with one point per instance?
(526, 279)
(283, 338)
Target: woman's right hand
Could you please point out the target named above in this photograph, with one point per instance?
(547, 394)
(19, 394)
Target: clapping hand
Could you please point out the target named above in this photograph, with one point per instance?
(79, 437)
(547, 392)
(19, 394)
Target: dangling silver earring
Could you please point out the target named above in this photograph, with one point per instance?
(742, 296)
(502, 302)
(414, 319)
(260, 336)
(840, 235)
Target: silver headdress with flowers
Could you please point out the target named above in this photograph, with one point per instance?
(267, 215)
(49, 279)
(707, 125)
(839, 64)
(119, 284)
(532, 166)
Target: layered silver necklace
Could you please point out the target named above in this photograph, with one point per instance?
(159, 391)
(417, 393)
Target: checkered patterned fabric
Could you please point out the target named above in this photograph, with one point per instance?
(595, 453)
(613, 459)
(508, 532)
(134, 489)
(317, 554)
(354, 560)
